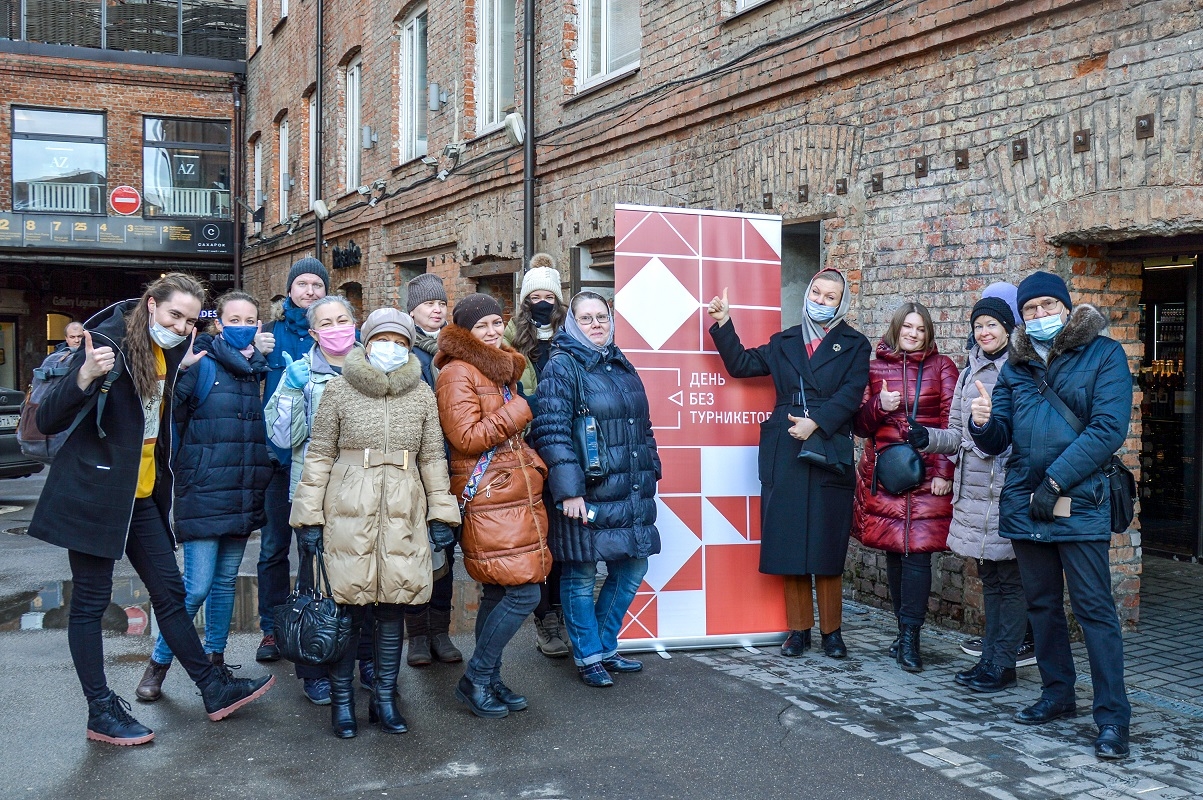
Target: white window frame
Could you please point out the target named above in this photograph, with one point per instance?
(741, 5)
(414, 98)
(502, 52)
(283, 9)
(257, 158)
(313, 126)
(607, 72)
(282, 173)
(258, 23)
(353, 84)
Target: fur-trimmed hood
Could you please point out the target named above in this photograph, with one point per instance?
(501, 365)
(1084, 324)
(367, 379)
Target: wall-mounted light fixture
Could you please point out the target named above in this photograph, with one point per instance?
(436, 96)
(368, 137)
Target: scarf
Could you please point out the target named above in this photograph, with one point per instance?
(295, 319)
(574, 330)
(813, 332)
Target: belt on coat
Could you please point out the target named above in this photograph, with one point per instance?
(369, 457)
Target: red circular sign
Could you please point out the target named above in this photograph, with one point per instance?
(125, 200)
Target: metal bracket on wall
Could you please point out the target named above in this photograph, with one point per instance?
(1019, 150)
(961, 158)
(841, 186)
(767, 199)
(803, 193)
(921, 167)
(1082, 141)
(876, 182)
(1144, 126)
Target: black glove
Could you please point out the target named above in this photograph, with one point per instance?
(917, 435)
(309, 538)
(1043, 500)
(441, 535)
(521, 390)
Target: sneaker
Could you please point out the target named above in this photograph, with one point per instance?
(972, 647)
(224, 694)
(109, 721)
(268, 649)
(549, 636)
(1025, 656)
(317, 690)
(367, 674)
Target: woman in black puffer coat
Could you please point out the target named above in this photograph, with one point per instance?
(221, 468)
(613, 519)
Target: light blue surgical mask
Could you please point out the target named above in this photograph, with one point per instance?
(165, 338)
(819, 312)
(1043, 329)
(387, 356)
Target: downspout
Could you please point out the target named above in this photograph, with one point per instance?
(316, 178)
(528, 142)
(236, 184)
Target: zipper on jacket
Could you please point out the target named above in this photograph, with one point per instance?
(380, 549)
(989, 502)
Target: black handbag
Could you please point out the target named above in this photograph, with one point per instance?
(587, 438)
(311, 628)
(898, 467)
(1121, 483)
(834, 455)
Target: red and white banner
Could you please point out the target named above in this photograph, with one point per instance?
(704, 588)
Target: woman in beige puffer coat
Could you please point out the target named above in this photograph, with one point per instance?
(375, 480)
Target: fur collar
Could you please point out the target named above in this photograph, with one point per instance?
(502, 366)
(365, 378)
(1085, 323)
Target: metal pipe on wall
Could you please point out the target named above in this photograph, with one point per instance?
(528, 141)
(236, 184)
(316, 178)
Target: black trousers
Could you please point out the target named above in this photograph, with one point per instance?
(1006, 611)
(1087, 572)
(150, 552)
(909, 577)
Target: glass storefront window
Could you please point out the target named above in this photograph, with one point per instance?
(186, 168)
(58, 161)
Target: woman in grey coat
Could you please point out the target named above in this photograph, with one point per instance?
(977, 484)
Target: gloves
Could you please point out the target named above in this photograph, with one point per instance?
(917, 435)
(296, 373)
(309, 538)
(441, 535)
(1043, 500)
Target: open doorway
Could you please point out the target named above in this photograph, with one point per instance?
(801, 258)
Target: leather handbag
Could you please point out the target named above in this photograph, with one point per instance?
(1121, 483)
(834, 455)
(311, 628)
(587, 438)
(898, 467)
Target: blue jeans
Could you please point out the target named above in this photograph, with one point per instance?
(503, 609)
(275, 539)
(593, 627)
(210, 575)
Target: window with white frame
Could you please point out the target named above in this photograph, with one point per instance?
(284, 177)
(744, 5)
(313, 126)
(413, 86)
(283, 9)
(354, 77)
(496, 82)
(260, 198)
(609, 37)
(258, 23)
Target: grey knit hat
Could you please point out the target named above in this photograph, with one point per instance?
(308, 266)
(426, 286)
(387, 319)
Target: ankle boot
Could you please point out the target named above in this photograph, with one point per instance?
(150, 688)
(908, 649)
(440, 637)
(342, 694)
(388, 662)
(417, 628)
(893, 651)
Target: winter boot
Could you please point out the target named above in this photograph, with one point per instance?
(417, 628)
(549, 635)
(388, 661)
(908, 649)
(150, 688)
(342, 694)
(224, 694)
(109, 721)
(440, 637)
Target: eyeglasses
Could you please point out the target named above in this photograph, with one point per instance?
(588, 319)
(1051, 305)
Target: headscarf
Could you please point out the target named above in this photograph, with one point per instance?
(813, 332)
(574, 330)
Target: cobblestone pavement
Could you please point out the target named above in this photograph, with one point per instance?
(1164, 658)
(970, 737)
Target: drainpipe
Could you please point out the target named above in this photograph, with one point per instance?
(316, 179)
(236, 183)
(528, 142)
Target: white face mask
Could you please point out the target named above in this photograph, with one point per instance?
(165, 338)
(387, 356)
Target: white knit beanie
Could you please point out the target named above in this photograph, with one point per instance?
(541, 275)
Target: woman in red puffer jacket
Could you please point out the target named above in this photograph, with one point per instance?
(910, 527)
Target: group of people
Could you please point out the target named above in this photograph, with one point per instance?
(380, 448)
(993, 471)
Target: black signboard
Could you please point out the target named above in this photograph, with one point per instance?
(130, 234)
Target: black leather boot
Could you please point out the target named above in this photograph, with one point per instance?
(908, 649)
(388, 661)
(893, 651)
(417, 628)
(342, 693)
(833, 645)
(796, 643)
(439, 627)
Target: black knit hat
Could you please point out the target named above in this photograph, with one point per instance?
(426, 286)
(308, 266)
(473, 308)
(994, 307)
(1042, 284)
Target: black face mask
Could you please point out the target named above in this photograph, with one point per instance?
(541, 311)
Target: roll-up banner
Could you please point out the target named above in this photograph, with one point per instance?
(704, 588)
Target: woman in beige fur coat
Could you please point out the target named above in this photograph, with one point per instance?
(375, 490)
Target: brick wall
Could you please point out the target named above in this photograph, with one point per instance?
(801, 94)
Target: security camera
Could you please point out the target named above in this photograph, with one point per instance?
(453, 151)
(321, 210)
(372, 203)
(378, 184)
(364, 190)
(443, 174)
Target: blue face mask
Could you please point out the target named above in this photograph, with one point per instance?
(1043, 329)
(819, 312)
(240, 337)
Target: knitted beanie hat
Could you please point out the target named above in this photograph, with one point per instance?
(1042, 284)
(308, 266)
(426, 286)
(473, 308)
(994, 307)
(536, 278)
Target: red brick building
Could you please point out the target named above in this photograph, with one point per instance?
(926, 147)
(117, 145)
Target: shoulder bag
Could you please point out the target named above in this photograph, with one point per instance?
(815, 450)
(587, 438)
(311, 628)
(1120, 481)
(898, 467)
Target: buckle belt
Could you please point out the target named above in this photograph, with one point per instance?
(369, 457)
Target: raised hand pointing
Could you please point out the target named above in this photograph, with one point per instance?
(980, 407)
(719, 309)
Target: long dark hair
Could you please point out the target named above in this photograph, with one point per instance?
(229, 297)
(139, 356)
(895, 329)
(526, 337)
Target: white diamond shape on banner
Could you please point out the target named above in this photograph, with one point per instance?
(677, 546)
(655, 303)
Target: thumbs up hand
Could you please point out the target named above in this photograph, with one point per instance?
(889, 400)
(980, 408)
(296, 373)
(719, 309)
(97, 362)
(265, 343)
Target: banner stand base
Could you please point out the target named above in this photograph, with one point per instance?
(662, 646)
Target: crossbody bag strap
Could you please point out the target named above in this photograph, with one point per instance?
(482, 466)
(1058, 404)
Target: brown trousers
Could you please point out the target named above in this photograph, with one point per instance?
(799, 607)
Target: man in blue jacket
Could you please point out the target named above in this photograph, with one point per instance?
(1055, 504)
